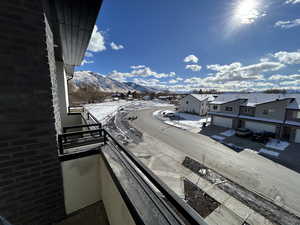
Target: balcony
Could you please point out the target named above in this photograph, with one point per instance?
(104, 183)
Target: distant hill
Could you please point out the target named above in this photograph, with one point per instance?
(141, 88)
(106, 84)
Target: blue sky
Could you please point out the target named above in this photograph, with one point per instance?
(185, 45)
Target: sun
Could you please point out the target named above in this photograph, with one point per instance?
(247, 11)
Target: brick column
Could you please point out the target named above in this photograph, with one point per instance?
(31, 189)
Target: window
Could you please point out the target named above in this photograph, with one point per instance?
(268, 111)
(187, 102)
(298, 115)
(228, 108)
(215, 107)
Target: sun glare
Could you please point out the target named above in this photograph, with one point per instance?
(247, 11)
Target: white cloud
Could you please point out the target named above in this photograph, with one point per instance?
(292, 83)
(237, 72)
(288, 57)
(115, 46)
(191, 58)
(193, 67)
(148, 82)
(138, 67)
(285, 77)
(138, 71)
(86, 62)
(264, 59)
(176, 80)
(292, 1)
(88, 54)
(287, 23)
(173, 81)
(97, 43)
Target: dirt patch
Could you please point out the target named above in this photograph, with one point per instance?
(198, 199)
(274, 213)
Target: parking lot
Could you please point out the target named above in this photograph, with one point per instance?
(289, 156)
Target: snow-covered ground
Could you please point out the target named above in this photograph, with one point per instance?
(218, 138)
(228, 133)
(269, 152)
(184, 120)
(105, 110)
(277, 144)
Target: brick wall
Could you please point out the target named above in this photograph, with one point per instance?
(30, 174)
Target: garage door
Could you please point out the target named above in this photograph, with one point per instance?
(297, 137)
(222, 122)
(260, 127)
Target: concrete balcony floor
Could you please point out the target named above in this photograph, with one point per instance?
(92, 215)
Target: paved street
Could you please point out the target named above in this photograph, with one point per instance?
(256, 173)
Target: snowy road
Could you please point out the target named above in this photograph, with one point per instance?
(256, 173)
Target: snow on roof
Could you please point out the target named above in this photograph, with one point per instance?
(295, 123)
(202, 97)
(254, 99)
(224, 98)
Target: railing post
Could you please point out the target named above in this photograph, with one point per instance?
(100, 128)
(60, 144)
(105, 138)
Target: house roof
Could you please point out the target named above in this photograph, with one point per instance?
(254, 99)
(203, 97)
(225, 98)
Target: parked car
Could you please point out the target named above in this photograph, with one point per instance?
(170, 115)
(269, 134)
(132, 117)
(243, 132)
(260, 137)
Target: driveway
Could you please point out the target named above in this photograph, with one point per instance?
(254, 172)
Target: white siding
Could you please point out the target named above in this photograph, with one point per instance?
(190, 104)
(260, 127)
(222, 121)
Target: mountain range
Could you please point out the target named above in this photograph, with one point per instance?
(106, 84)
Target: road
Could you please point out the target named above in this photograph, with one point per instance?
(250, 170)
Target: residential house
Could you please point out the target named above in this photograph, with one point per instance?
(195, 103)
(291, 128)
(275, 113)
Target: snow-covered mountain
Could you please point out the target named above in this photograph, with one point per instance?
(141, 88)
(106, 84)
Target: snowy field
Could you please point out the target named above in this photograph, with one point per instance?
(277, 144)
(105, 110)
(184, 120)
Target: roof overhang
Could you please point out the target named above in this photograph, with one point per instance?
(72, 23)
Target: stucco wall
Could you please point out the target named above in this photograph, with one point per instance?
(62, 94)
(116, 209)
(81, 179)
